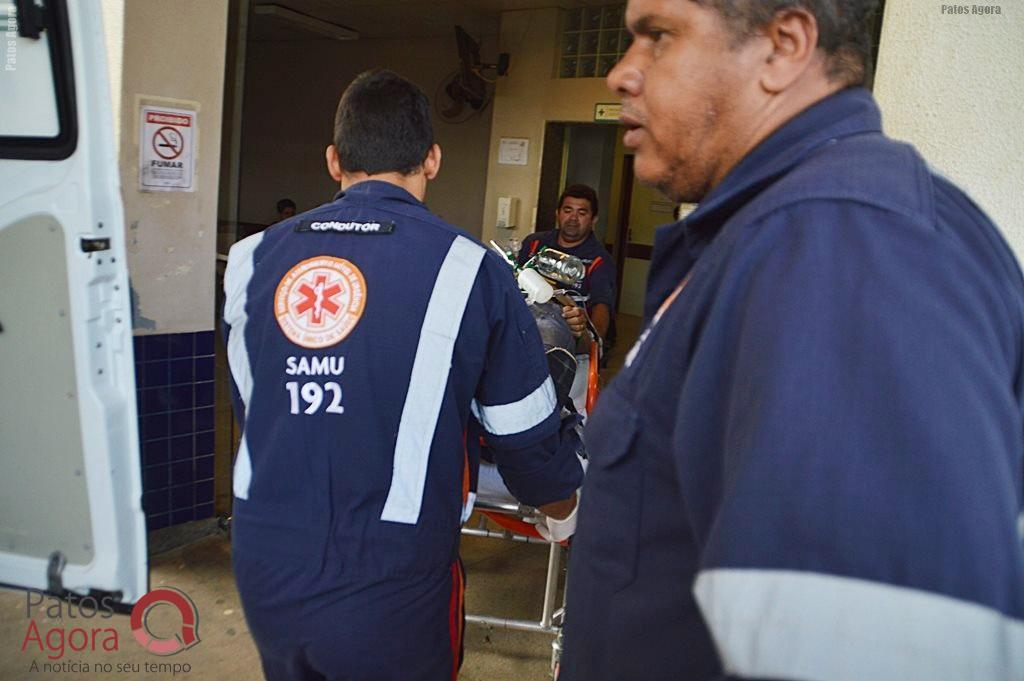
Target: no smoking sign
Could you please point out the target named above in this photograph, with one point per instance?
(168, 143)
(166, 149)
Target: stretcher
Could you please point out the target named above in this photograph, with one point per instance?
(517, 523)
(575, 377)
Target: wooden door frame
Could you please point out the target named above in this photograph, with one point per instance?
(622, 228)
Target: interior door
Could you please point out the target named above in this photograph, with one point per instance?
(643, 209)
(70, 489)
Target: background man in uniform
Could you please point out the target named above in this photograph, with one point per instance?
(575, 218)
(362, 337)
(811, 466)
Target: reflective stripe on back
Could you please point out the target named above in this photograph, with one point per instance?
(429, 379)
(236, 292)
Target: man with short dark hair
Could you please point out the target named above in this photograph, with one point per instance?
(362, 337)
(285, 209)
(575, 218)
(811, 466)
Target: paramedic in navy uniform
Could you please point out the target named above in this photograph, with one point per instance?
(575, 217)
(811, 466)
(362, 337)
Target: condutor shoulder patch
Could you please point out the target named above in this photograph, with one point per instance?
(346, 227)
(319, 301)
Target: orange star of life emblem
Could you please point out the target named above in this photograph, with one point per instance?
(319, 301)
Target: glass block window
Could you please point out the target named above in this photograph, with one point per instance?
(593, 41)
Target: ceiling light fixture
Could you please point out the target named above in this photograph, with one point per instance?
(306, 22)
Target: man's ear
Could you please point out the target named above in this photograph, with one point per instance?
(793, 40)
(333, 162)
(432, 163)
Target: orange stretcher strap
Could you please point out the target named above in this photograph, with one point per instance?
(592, 375)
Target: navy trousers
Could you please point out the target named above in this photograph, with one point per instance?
(314, 623)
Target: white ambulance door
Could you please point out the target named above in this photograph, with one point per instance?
(70, 489)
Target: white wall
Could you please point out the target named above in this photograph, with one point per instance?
(292, 91)
(951, 84)
(157, 57)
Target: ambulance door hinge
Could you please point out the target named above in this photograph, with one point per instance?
(55, 572)
(106, 600)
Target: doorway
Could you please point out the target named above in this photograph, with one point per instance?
(642, 210)
(578, 153)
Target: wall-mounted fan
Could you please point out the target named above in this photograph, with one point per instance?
(467, 91)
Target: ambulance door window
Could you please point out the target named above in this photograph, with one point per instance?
(37, 118)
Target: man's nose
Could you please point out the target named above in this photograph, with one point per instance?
(625, 78)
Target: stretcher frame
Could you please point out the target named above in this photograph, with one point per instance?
(552, 611)
(552, 614)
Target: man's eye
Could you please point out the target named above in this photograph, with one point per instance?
(655, 35)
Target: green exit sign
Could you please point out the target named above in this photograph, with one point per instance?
(607, 112)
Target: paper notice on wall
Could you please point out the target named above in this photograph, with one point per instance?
(513, 151)
(167, 149)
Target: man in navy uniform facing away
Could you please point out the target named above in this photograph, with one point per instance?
(575, 219)
(362, 337)
(812, 465)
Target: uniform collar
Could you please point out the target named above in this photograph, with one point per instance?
(374, 190)
(676, 246)
(586, 242)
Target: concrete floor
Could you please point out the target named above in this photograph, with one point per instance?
(503, 578)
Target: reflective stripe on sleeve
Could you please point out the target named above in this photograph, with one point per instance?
(237, 276)
(800, 625)
(520, 416)
(429, 379)
(467, 508)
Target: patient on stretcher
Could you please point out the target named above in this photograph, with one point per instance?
(569, 372)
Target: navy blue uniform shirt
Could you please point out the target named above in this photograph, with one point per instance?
(362, 337)
(811, 466)
(598, 286)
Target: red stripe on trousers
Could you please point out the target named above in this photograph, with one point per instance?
(455, 617)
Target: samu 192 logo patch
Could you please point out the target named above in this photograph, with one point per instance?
(320, 301)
